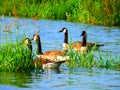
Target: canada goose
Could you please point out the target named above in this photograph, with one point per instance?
(78, 44)
(49, 59)
(27, 42)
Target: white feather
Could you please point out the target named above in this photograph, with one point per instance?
(65, 46)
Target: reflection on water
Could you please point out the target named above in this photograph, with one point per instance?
(100, 79)
(64, 79)
(17, 79)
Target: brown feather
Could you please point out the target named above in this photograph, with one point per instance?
(42, 60)
(78, 45)
(54, 53)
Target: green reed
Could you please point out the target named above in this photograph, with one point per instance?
(109, 60)
(91, 59)
(15, 57)
(104, 12)
(81, 60)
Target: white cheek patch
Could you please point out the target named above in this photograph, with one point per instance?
(35, 37)
(64, 31)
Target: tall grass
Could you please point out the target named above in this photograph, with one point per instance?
(91, 59)
(104, 12)
(109, 60)
(15, 58)
(82, 60)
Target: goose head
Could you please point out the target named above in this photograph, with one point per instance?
(64, 30)
(36, 37)
(83, 33)
(27, 42)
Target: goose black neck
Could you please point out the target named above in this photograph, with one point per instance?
(39, 47)
(84, 40)
(66, 37)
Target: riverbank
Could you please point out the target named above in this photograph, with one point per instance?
(84, 11)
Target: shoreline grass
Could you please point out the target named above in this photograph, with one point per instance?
(100, 12)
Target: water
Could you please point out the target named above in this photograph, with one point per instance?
(77, 79)
(65, 78)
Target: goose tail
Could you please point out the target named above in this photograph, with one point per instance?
(100, 45)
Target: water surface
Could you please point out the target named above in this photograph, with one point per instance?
(65, 78)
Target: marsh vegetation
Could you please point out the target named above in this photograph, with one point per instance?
(102, 12)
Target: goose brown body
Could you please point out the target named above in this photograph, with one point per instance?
(54, 53)
(78, 44)
(45, 63)
(52, 59)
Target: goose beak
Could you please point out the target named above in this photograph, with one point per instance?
(60, 31)
(32, 39)
(81, 34)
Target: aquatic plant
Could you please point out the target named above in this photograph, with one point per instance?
(82, 60)
(108, 60)
(91, 59)
(15, 57)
